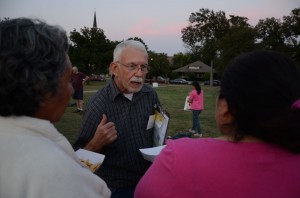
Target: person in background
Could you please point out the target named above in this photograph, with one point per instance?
(258, 154)
(78, 80)
(196, 101)
(35, 88)
(123, 108)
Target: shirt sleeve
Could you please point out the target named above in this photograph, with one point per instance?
(89, 125)
(56, 174)
(191, 96)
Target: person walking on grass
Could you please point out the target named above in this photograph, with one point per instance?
(197, 104)
(78, 81)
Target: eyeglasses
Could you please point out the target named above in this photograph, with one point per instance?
(134, 67)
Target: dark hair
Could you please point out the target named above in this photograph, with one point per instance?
(32, 61)
(197, 87)
(260, 88)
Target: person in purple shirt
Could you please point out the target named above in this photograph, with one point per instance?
(258, 154)
(78, 80)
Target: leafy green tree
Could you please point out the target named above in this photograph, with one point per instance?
(239, 38)
(204, 32)
(4, 19)
(90, 50)
(291, 31)
(159, 65)
(210, 36)
(180, 60)
(270, 34)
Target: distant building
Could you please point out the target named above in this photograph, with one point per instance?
(199, 68)
(95, 21)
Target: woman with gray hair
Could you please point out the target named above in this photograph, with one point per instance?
(36, 160)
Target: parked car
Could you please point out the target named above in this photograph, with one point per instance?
(180, 81)
(159, 79)
(94, 77)
(215, 82)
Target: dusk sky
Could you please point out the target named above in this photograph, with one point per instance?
(157, 22)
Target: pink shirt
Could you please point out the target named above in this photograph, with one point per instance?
(213, 168)
(197, 100)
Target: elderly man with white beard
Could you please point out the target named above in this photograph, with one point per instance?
(122, 107)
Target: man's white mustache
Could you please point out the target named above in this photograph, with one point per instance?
(139, 80)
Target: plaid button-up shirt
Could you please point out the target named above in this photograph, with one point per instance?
(123, 165)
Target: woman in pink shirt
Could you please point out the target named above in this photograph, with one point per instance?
(196, 100)
(258, 154)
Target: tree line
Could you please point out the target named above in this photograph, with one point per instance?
(210, 37)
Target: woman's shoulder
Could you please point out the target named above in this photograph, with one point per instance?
(183, 145)
(187, 152)
(193, 92)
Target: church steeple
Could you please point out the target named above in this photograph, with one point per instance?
(95, 21)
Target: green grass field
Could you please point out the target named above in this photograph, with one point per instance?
(172, 98)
